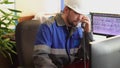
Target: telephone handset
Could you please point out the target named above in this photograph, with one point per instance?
(74, 28)
(83, 25)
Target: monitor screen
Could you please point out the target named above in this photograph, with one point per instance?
(106, 53)
(105, 24)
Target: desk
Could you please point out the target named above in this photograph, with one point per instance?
(25, 18)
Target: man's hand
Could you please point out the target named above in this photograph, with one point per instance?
(85, 20)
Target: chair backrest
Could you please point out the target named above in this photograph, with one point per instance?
(25, 36)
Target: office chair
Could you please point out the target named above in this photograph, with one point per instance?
(25, 36)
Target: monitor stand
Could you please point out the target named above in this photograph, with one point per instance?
(108, 36)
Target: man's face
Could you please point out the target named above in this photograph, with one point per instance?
(73, 18)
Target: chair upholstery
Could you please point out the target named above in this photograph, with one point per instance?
(25, 36)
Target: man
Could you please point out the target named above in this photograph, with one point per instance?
(59, 38)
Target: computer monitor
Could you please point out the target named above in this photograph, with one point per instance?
(106, 53)
(105, 23)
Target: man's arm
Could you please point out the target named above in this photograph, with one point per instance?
(41, 58)
(87, 36)
(42, 48)
(87, 28)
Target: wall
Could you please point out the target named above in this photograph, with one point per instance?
(102, 6)
(52, 6)
(29, 7)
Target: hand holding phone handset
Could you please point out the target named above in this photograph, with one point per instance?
(85, 23)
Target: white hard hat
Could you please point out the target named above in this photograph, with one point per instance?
(74, 5)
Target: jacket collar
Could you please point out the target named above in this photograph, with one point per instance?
(59, 20)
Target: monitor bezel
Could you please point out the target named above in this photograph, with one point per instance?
(92, 14)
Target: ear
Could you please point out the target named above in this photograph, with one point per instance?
(66, 10)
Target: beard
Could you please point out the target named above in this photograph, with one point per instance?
(70, 22)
